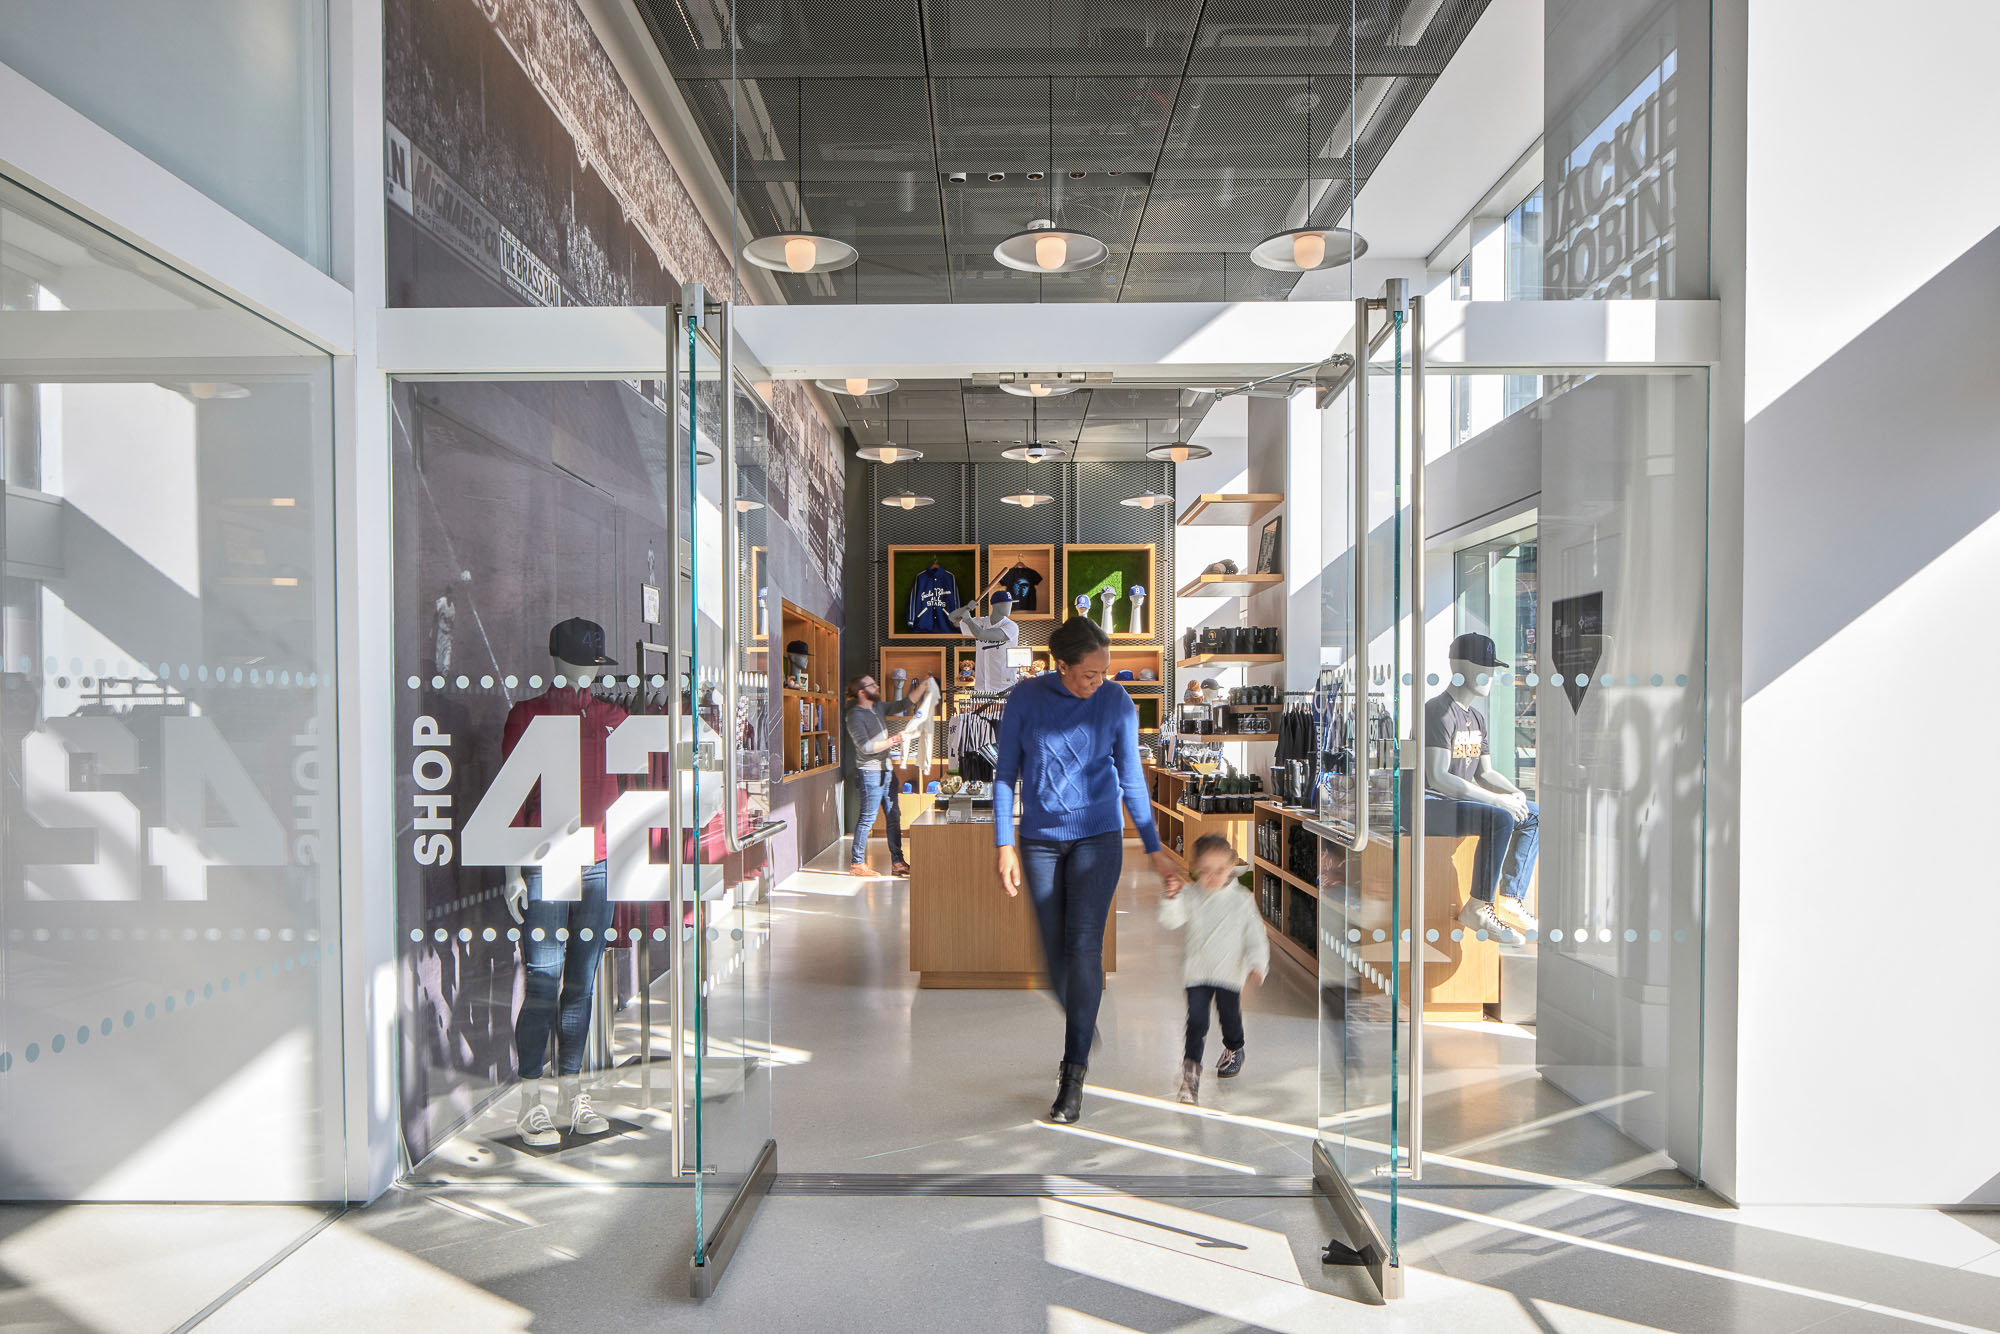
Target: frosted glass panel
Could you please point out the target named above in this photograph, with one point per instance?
(229, 95)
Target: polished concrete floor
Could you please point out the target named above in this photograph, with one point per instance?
(1535, 1216)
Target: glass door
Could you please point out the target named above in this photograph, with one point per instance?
(721, 757)
(1364, 703)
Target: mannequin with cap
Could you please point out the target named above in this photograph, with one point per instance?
(1465, 794)
(997, 634)
(562, 943)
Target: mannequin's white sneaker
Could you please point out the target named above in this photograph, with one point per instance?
(537, 1127)
(1517, 911)
(585, 1119)
(1479, 916)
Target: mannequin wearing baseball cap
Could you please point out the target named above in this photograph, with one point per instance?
(997, 635)
(1465, 794)
(562, 973)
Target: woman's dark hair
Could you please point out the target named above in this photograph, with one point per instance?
(1076, 639)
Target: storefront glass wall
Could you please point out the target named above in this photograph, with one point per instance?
(170, 1000)
(229, 95)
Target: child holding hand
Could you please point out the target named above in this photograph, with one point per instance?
(1224, 948)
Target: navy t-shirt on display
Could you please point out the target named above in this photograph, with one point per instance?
(1020, 583)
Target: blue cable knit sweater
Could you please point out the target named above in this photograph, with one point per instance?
(1071, 760)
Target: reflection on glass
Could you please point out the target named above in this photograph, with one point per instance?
(169, 904)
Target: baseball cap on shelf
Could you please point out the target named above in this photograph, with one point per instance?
(1221, 567)
(1125, 675)
(581, 642)
(1475, 649)
(1148, 674)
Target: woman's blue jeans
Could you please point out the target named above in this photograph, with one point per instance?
(1073, 884)
(561, 973)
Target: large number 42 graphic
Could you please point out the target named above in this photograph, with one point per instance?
(548, 756)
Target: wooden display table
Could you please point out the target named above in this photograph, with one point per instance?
(964, 930)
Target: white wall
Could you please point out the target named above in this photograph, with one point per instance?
(1865, 1068)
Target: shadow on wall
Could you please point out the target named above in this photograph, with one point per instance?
(1889, 443)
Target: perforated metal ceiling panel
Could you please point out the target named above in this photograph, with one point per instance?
(1179, 132)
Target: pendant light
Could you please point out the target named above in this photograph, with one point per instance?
(800, 251)
(855, 386)
(1179, 451)
(1044, 247)
(1038, 388)
(1147, 500)
(889, 454)
(1309, 248)
(1033, 451)
(1026, 498)
(906, 499)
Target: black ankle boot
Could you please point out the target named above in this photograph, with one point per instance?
(1069, 1095)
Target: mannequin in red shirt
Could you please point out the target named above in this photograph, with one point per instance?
(562, 970)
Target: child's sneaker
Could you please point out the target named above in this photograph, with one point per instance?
(1190, 1081)
(1231, 1064)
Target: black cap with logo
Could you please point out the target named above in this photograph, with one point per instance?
(580, 642)
(1475, 649)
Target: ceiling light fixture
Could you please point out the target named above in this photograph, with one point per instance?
(890, 453)
(1034, 451)
(1038, 388)
(1147, 501)
(856, 387)
(800, 251)
(907, 500)
(1045, 248)
(1027, 500)
(1179, 452)
(745, 505)
(1308, 249)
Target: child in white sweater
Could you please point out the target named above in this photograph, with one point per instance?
(1225, 947)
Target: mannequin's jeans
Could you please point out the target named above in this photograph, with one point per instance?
(561, 973)
(1505, 862)
(1073, 883)
(878, 793)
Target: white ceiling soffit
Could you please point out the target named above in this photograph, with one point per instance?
(1484, 113)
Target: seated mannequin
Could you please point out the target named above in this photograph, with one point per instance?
(1465, 794)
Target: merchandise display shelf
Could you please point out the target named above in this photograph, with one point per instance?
(1228, 736)
(1231, 660)
(822, 643)
(1240, 510)
(1228, 585)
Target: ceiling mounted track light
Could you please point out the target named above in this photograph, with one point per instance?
(890, 454)
(855, 386)
(800, 251)
(1308, 249)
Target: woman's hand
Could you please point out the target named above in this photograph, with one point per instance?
(1169, 872)
(1010, 871)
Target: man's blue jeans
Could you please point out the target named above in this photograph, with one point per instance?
(1073, 884)
(1505, 862)
(878, 793)
(561, 973)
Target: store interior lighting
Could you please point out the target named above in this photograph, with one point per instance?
(856, 387)
(890, 453)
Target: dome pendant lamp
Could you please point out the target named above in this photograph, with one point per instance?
(906, 499)
(1026, 498)
(889, 452)
(1309, 248)
(1045, 248)
(800, 251)
(1179, 451)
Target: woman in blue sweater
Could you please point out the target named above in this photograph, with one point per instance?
(1070, 747)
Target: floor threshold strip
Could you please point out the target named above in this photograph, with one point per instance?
(1029, 1184)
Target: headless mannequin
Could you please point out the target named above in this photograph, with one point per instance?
(996, 634)
(560, 1093)
(1471, 683)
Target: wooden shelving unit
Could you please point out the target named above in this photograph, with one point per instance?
(1232, 660)
(1181, 828)
(1240, 510)
(1228, 585)
(1296, 901)
(810, 716)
